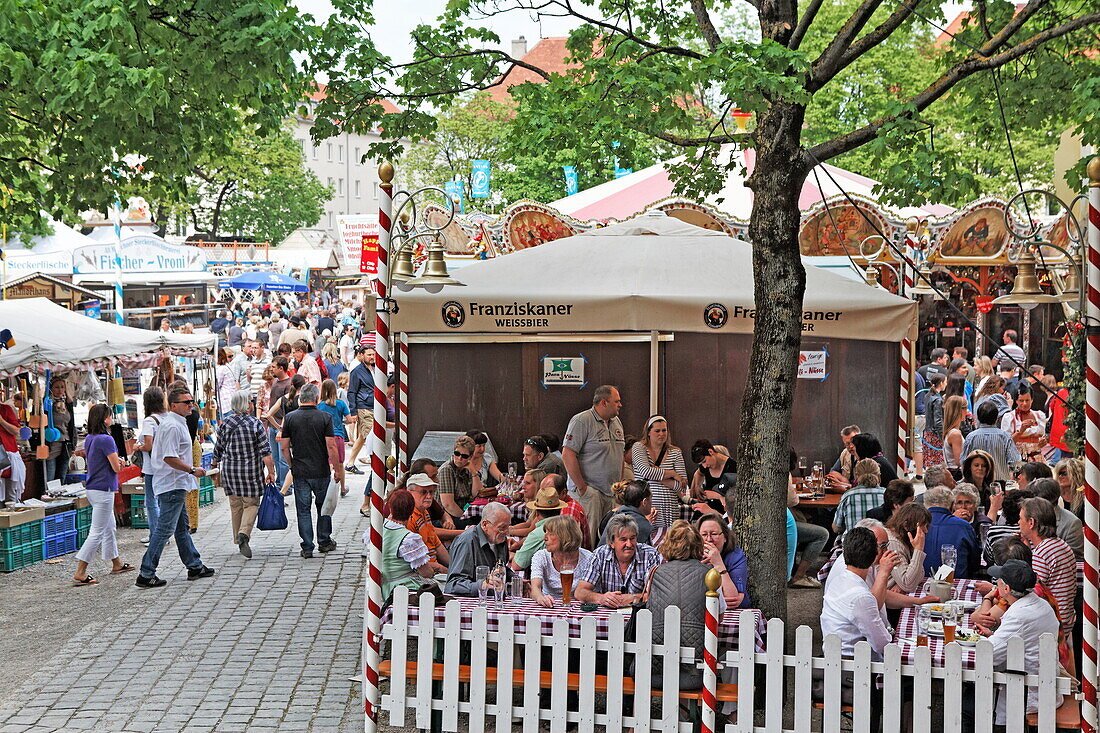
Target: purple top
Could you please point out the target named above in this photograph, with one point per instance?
(101, 476)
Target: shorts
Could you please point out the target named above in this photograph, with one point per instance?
(366, 422)
(341, 441)
(915, 435)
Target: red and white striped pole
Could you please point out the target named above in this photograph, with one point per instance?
(373, 616)
(402, 411)
(903, 406)
(1092, 455)
(710, 653)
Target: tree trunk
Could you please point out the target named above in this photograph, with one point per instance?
(779, 282)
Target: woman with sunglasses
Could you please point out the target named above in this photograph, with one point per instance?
(656, 460)
(458, 485)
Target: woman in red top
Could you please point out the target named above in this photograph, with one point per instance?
(11, 478)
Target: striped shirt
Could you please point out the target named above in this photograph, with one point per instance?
(854, 505)
(665, 500)
(996, 443)
(1052, 560)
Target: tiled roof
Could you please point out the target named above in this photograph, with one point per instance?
(549, 54)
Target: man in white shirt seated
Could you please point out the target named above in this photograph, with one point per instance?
(852, 609)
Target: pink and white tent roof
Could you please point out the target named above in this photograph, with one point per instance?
(632, 194)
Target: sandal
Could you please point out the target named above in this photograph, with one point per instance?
(126, 567)
(365, 514)
(88, 580)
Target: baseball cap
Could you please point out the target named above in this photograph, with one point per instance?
(420, 479)
(1016, 574)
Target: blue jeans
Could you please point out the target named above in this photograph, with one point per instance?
(304, 490)
(171, 521)
(152, 506)
(281, 469)
(57, 468)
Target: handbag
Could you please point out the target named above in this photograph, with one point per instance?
(332, 499)
(271, 514)
(5, 462)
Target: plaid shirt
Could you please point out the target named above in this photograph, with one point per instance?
(456, 481)
(604, 574)
(854, 506)
(574, 509)
(241, 447)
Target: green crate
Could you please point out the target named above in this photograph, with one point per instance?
(81, 535)
(20, 534)
(206, 482)
(206, 495)
(83, 517)
(22, 556)
(138, 519)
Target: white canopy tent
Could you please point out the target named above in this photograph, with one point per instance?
(652, 273)
(49, 336)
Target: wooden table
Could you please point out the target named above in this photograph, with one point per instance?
(830, 501)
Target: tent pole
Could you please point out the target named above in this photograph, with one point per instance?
(1092, 457)
(654, 377)
(402, 412)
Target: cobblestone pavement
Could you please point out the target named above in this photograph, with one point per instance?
(267, 644)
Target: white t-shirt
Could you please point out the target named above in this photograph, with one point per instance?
(851, 612)
(148, 427)
(542, 567)
(172, 440)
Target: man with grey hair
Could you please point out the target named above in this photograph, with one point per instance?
(309, 448)
(947, 529)
(593, 454)
(936, 476)
(484, 544)
(617, 572)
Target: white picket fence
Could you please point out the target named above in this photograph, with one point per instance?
(467, 693)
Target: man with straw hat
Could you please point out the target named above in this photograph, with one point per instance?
(545, 505)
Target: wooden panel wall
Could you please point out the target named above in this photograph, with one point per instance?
(496, 387)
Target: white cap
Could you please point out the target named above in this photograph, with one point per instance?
(419, 479)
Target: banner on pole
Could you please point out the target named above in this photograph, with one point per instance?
(368, 257)
(572, 181)
(479, 180)
(454, 190)
(351, 230)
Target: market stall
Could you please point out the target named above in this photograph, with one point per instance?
(659, 307)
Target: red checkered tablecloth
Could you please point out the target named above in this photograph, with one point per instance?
(906, 632)
(526, 610)
(518, 509)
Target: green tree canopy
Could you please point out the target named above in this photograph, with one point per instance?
(87, 82)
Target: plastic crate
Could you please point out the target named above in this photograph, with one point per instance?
(21, 556)
(20, 534)
(81, 535)
(206, 495)
(59, 524)
(58, 545)
(207, 461)
(138, 518)
(83, 518)
(206, 482)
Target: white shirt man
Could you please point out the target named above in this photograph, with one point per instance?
(850, 608)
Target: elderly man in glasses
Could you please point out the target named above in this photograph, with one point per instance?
(458, 485)
(173, 476)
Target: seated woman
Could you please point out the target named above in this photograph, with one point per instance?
(721, 552)
(906, 531)
(680, 581)
(712, 481)
(967, 506)
(1004, 513)
(405, 559)
(898, 492)
(563, 551)
(636, 502)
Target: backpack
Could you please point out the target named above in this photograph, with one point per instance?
(324, 369)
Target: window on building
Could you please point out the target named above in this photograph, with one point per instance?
(376, 190)
(305, 146)
(315, 149)
(340, 187)
(358, 192)
(330, 220)
(330, 152)
(358, 158)
(331, 183)
(340, 153)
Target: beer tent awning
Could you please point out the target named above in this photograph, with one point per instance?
(49, 336)
(652, 273)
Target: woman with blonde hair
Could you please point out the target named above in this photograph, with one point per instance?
(563, 551)
(983, 369)
(661, 464)
(1070, 474)
(954, 412)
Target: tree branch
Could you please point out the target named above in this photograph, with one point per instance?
(706, 27)
(804, 24)
(964, 69)
(825, 64)
(879, 34)
(1022, 16)
(694, 142)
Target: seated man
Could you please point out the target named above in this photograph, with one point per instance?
(841, 473)
(536, 454)
(1027, 617)
(852, 609)
(544, 506)
(617, 574)
(482, 544)
(947, 529)
(637, 503)
(422, 488)
(862, 498)
(572, 507)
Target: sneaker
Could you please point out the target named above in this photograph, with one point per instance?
(353, 469)
(145, 540)
(203, 572)
(327, 547)
(153, 582)
(307, 554)
(365, 461)
(805, 582)
(242, 545)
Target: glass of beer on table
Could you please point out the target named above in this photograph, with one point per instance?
(950, 621)
(924, 620)
(567, 584)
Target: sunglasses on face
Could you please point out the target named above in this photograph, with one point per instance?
(184, 402)
(461, 455)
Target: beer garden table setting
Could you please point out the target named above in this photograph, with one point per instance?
(951, 617)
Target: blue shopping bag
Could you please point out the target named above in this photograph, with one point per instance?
(272, 514)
